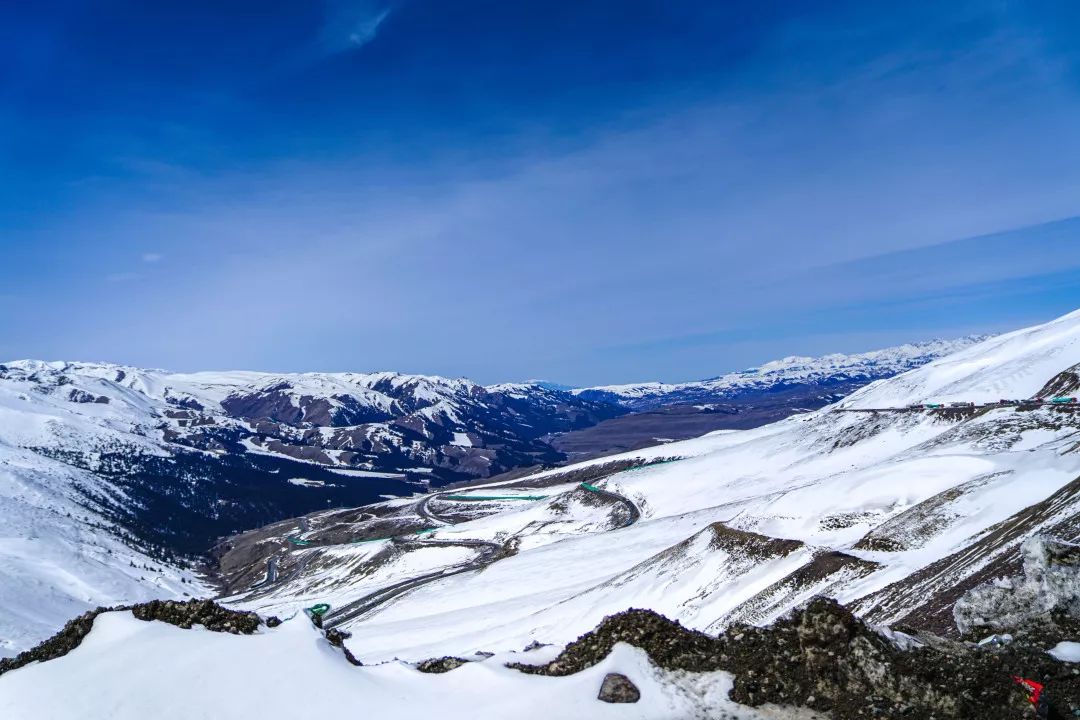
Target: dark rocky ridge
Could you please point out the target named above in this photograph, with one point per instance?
(440, 665)
(185, 614)
(825, 659)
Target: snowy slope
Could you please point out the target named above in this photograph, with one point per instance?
(825, 373)
(1012, 366)
(741, 526)
(60, 555)
(889, 509)
(112, 478)
(152, 463)
(292, 673)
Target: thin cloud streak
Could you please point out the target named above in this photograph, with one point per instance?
(351, 24)
(709, 233)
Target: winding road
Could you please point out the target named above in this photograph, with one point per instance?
(489, 552)
(271, 574)
(635, 513)
(424, 510)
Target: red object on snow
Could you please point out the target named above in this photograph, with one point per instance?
(1034, 689)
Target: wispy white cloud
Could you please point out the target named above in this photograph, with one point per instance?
(152, 257)
(366, 29)
(682, 235)
(352, 24)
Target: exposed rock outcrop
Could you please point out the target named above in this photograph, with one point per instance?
(207, 613)
(182, 614)
(617, 688)
(1041, 606)
(667, 643)
(824, 658)
(441, 665)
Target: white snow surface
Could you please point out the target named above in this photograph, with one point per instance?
(1066, 651)
(1011, 366)
(58, 558)
(291, 672)
(825, 479)
(700, 553)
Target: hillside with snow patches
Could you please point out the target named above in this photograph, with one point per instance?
(869, 501)
(114, 480)
(893, 510)
(735, 526)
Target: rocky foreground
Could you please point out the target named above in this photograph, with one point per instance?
(820, 658)
(825, 659)
(185, 615)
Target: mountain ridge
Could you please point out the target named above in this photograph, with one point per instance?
(155, 467)
(820, 371)
(894, 509)
(866, 507)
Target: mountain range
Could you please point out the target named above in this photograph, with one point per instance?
(836, 375)
(117, 480)
(899, 501)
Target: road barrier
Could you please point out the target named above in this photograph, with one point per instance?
(318, 610)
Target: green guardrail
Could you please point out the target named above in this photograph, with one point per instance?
(318, 610)
(494, 497)
(297, 541)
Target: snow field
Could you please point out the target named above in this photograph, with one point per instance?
(291, 672)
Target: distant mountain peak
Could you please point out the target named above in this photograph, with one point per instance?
(791, 370)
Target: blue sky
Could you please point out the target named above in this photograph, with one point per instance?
(588, 192)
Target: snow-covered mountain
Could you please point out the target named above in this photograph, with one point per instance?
(893, 509)
(835, 374)
(113, 478)
(255, 444)
(112, 470)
